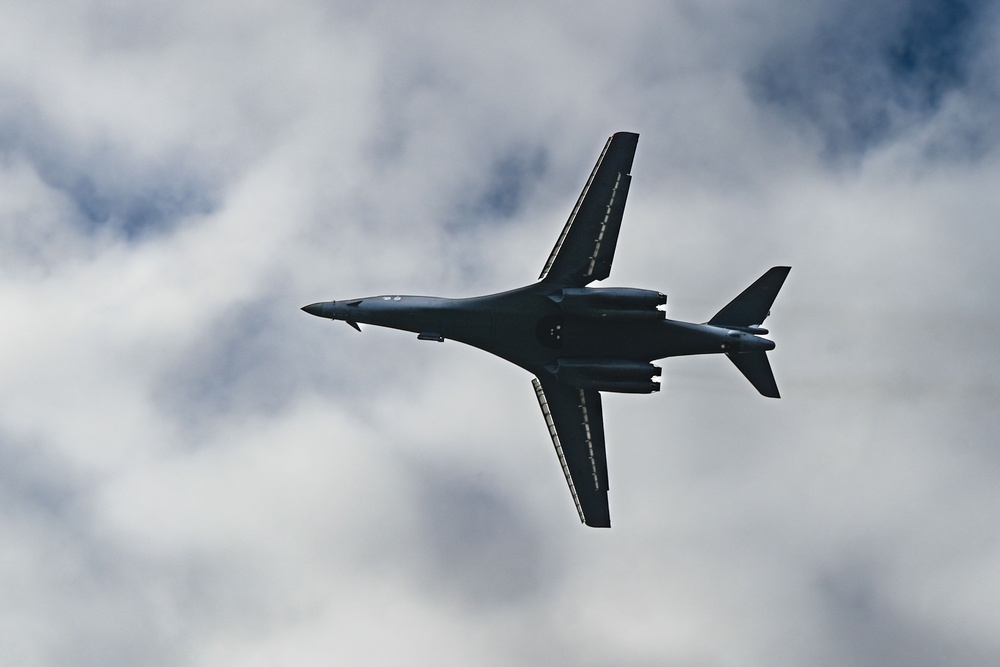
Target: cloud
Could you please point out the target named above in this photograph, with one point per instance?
(195, 472)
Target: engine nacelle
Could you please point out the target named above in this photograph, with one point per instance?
(630, 377)
(617, 302)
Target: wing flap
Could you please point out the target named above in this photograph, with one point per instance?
(575, 421)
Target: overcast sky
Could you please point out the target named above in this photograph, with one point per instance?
(195, 473)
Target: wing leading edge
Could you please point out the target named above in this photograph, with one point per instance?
(586, 246)
(576, 424)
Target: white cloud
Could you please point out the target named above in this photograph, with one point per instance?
(194, 472)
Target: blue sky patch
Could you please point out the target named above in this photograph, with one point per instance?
(511, 179)
(133, 210)
(867, 71)
(112, 189)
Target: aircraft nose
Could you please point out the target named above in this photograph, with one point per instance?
(315, 308)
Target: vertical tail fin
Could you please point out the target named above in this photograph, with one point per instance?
(747, 311)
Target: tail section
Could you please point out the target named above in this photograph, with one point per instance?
(754, 303)
(745, 313)
(756, 368)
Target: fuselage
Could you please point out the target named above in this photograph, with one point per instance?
(531, 328)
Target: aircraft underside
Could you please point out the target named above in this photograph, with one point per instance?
(579, 341)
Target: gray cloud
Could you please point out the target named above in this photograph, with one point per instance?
(196, 473)
(483, 547)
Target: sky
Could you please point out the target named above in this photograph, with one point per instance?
(195, 473)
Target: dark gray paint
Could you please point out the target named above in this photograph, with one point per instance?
(579, 341)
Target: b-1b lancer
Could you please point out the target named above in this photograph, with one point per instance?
(578, 341)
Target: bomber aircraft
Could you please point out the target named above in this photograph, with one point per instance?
(578, 341)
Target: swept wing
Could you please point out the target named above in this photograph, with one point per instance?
(576, 424)
(586, 246)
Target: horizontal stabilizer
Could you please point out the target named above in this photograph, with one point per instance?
(754, 303)
(756, 368)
